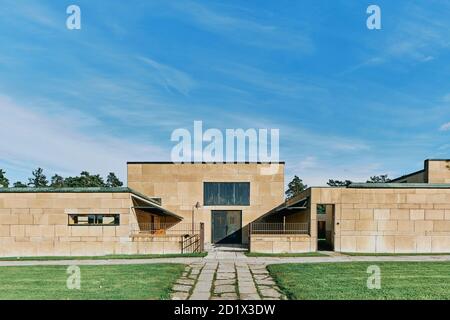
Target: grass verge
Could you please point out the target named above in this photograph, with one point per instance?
(348, 280)
(358, 254)
(107, 257)
(118, 282)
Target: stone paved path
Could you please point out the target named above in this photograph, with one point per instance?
(226, 275)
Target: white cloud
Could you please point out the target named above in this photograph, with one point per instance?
(170, 77)
(445, 127)
(247, 31)
(39, 139)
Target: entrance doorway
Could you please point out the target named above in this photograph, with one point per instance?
(325, 227)
(226, 226)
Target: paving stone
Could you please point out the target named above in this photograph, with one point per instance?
(195, 272)
(260, 272)
(226, 281)
(188, 282)
(208, 271)
(206, 278)
(247, 289)
(223, 276)
(225, 289)
(232, 296)
(261, 276)
(266, 282)
(182, 288)
(269, 293)
(179, 295)
(202, 287)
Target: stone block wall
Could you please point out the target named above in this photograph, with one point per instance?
(391, 220)
(180, 187)
(36, 224)
(281, 243)
(437, 171)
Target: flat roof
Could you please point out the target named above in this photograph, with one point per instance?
(400, 185)
(77, 190)
(204, 162)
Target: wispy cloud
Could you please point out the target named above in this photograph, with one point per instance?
(420, 35)
(57, 144)
(170, 77)
(244, 30)
(33, 13)
(445, 127)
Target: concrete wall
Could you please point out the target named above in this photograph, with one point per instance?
(180, 187)
(36, 224)
(437, 171)
(281, 243)
(389, 220)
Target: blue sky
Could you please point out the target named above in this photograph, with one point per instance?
(349, 102)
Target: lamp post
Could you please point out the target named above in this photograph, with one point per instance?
(196, 206)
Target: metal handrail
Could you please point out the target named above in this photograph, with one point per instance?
(191, 243)
(165, 229)
(279, 228)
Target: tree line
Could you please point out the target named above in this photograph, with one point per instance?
(296, 185)
(84, 180)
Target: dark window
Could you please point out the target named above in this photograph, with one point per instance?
(226, 193)
(94, 219)
(321, 209)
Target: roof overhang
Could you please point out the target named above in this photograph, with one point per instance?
(145, 204)
(287, 209)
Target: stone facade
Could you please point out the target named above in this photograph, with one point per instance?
(281, 243)
(37, 224)
(397, 219)
(180, 187)
(437, 171)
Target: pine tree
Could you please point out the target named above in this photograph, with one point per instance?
(112, 180)
(57, 181)
(39, 180)
(379, 179)
(4, 182)
(295, 187)
(19, 184)
(339, 183)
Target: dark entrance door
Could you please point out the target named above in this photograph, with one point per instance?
(226, 226)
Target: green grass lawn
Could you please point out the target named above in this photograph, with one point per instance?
(348, 280)
(285, 255)
(150, 281)
(358, 254)
(113, 256)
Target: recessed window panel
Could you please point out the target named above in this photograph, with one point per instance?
(226, 193)
(94, 219)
